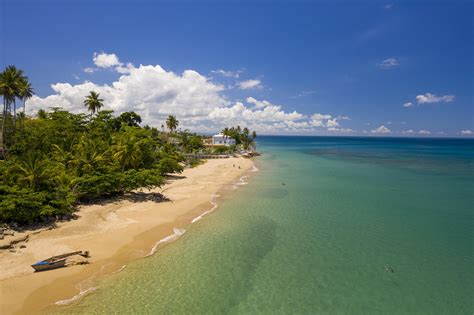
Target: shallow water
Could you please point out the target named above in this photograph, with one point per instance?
(313, 231)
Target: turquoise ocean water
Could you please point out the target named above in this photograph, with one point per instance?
(312, 232)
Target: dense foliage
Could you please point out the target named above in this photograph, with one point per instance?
(61, 158)
(242, 137)
(53, 161)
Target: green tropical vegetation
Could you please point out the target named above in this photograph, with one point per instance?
(172, 123)
(93, 102)
(243, 137)
(58, 159)
(61, 159)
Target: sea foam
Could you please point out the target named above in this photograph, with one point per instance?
(82, 291)
(214, 206)
(242, 181)
(76, 297)
(170, 238)
(121, 269)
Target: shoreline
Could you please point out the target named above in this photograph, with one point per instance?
(116, 234)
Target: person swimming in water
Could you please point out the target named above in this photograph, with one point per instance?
(389, 269)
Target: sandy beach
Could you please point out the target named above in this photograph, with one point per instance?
(115, 233)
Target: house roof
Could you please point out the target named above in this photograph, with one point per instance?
(220, 135)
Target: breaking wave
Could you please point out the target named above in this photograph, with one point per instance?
(76, 297)
(82, 292)
(242, 181)
(214, 206)
(170, 238)
(121, 269)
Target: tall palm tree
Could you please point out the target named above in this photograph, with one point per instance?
(225, 133)
(2, 93)
(245, 138)
(252, 141)
(42, 114)
(93, 102)
(26, 92)
(9, 82)
(172, 123)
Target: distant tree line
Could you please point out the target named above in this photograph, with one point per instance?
(243, 137)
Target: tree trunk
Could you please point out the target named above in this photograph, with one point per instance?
(24, 115)
(3, 125)
(14, 116)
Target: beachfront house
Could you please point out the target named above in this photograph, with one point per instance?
(220, 139)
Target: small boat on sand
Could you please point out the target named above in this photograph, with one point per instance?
(58, 261)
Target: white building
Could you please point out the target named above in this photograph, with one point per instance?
(220, 139)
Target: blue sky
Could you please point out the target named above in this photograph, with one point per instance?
(301, 67)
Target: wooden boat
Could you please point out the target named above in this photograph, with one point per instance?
(49, 264)
(58, 261)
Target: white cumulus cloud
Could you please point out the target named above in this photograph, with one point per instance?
(331, 123)
(250, 84)
(433, 98)
(424, 132)
(226, 73)
(467, 132)
(149, 90)
(90, 70)
(408, 104)
(381, 130)
(104, 60)
(199, 103)
(340, 130)
(258, 104)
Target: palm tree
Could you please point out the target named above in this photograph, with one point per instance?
(225, 133)
(2, 93)
(42, 114)
(254, 135)
(32, 171)
(245, 138)
(26, 92)
(88, 156)
(127, 151)
(9, 83)
(19, 77)
(93, 102)
(172, 123)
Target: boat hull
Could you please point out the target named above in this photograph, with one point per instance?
(43, 265)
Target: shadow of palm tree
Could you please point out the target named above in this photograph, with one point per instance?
(174, 177)
(144, 196)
